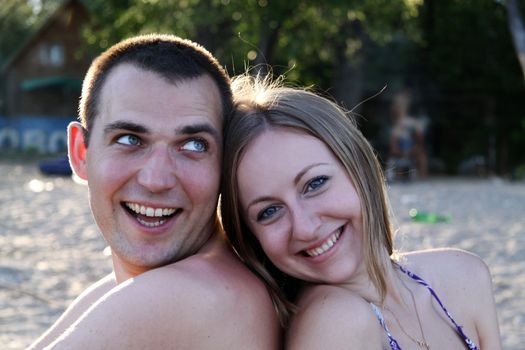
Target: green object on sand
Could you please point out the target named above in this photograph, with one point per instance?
(429, 218)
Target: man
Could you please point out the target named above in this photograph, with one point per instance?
(150, 147)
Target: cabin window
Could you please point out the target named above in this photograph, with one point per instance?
(51, 54)
(56, 55)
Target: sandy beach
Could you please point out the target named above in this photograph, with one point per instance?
(50, 248)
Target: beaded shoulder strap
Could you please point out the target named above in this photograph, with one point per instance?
(459, 329)
(393, 343)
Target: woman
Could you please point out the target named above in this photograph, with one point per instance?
(305, 206)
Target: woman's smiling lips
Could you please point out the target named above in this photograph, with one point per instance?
(324, 246)
(150, 216)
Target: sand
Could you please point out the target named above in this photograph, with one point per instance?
(50, 248)
(488, 219)
(50, 251)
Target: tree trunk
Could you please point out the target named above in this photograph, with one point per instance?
(348, 74)
(348, 84)
(268, 39)
(517, 30)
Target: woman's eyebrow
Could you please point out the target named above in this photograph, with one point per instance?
(258, 200)
(304, 171)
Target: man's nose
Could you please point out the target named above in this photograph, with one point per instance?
(157, 173)
(305, 223)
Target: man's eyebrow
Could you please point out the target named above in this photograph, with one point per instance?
(198, 128)
(123, 125)
(185, 130)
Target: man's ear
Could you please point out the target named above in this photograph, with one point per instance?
(77, 149)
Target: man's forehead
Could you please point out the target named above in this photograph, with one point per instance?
(124, 71)
(132, 89)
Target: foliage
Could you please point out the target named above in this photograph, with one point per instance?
(457, 56)
(299, 34)
(16, 18)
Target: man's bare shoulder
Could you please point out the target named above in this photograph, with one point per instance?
(218, 278)
(209, 300)
(78, 307)
(219, 269)
(216, 298)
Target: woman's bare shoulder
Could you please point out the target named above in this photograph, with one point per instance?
(464, 284)
(333, 317)
(450, 263)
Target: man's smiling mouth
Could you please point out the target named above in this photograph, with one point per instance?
(149, 216)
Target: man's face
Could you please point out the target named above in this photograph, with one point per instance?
(153, 165)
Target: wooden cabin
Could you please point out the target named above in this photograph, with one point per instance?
(42, 82)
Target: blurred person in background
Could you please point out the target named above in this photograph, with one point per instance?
(407, 141)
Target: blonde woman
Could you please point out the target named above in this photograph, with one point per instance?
(305, 206)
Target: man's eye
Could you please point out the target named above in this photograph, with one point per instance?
(316, 183)
(267, 213)
(130, 140)
(196, 145)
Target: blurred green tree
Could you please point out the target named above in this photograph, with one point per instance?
(457, 56)
(322, 43)
(16, 20)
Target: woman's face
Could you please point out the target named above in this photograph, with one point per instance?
(298, 200)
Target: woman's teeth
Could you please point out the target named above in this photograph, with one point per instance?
(326, 245)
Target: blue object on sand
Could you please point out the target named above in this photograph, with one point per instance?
(57, 166)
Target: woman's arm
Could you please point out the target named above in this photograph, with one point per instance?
(486, 318)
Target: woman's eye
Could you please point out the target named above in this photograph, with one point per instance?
(196, 145)
(316, 183)
(267, 213)
(130, 140)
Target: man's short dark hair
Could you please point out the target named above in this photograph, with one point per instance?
(173, 58)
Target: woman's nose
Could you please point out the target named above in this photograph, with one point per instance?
(305, 223)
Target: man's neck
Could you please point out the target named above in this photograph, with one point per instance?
(214, 245)
(124, 271)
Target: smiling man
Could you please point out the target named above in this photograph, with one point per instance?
(149, 146)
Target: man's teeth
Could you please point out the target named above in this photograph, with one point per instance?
(151, 224)
(149, 211)
(326, 244)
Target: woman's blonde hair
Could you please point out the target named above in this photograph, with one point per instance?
(261, 104)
